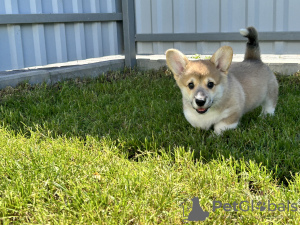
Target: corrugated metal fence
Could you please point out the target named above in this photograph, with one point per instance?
(26, 45)
(39, 32)
(217, 17)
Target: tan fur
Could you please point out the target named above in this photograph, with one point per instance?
(237, 89)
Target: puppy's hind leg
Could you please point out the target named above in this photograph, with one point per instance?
(268, 106)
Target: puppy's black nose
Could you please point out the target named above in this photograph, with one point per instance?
(200, 102)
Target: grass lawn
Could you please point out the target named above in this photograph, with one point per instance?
(118, 150)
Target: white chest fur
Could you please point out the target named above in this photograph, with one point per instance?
(206, 120)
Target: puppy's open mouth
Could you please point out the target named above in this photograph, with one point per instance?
(202, 110)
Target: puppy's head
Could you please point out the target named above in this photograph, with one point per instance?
(201, 82)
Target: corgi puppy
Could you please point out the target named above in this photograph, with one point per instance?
(217, 94)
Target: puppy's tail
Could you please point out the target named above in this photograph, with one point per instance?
(252, 48)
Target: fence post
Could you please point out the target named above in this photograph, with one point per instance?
(129, 32)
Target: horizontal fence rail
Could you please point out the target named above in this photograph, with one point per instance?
(213, 37)
(10, 19)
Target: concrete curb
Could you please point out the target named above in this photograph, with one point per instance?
(284, 68)
(281, 68)
(51, 74)
(285, 65)
(33, 77)
(89, 70)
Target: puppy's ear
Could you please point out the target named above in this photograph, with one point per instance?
(176, 61)
(222, 58)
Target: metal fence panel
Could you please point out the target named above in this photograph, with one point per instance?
(26, 45)
(162, 13)
(55, 39)
(203, 16)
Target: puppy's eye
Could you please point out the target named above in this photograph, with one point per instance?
(210, 85)
(191, 85)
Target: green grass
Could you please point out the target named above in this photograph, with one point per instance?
(118, 150)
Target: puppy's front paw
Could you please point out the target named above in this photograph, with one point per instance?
(221, 126)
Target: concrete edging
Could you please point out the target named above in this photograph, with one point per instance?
(285, 66)
(54, 75)
(51, 74)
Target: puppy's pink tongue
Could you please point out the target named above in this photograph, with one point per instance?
(201, 110)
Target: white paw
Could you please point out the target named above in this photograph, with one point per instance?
(221, 126)
(268, 111)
